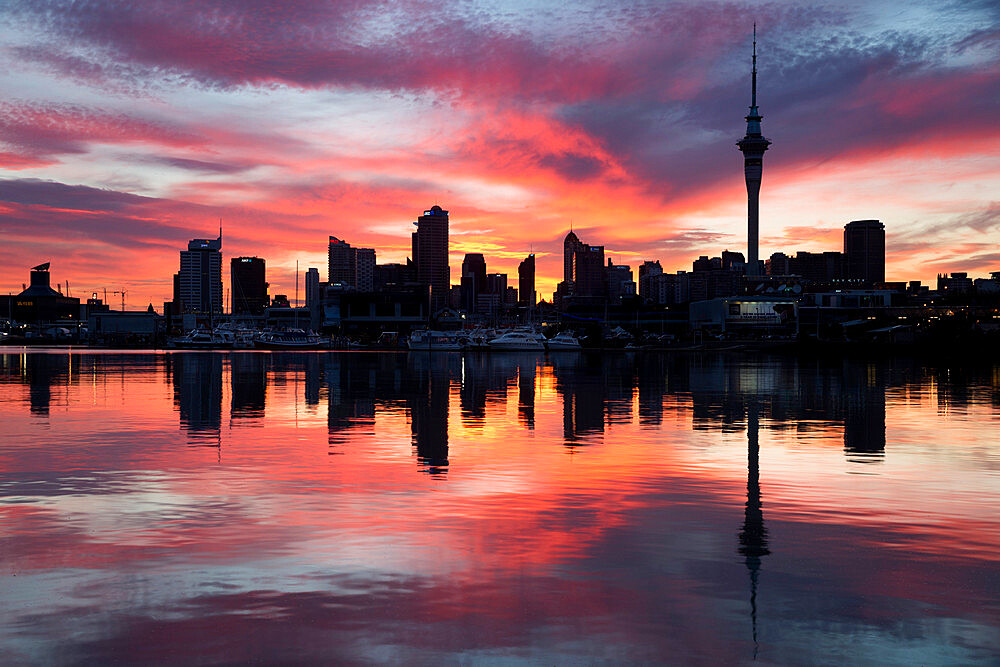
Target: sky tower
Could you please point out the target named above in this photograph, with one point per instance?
(753, 146)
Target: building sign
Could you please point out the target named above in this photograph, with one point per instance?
(772, 312)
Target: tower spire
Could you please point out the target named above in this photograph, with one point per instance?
(753, 88)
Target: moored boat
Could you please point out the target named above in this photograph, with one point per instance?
(200, 339)
(518, 340)
(563, 340)
(425, 339)
(288, 339)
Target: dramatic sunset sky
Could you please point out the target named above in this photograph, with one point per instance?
(127, 128)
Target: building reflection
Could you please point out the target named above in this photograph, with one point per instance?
(248, 388)
(428, 409)
(197, 384)
(526, 375)
(592, 391)
(580, 384)
(485, 380)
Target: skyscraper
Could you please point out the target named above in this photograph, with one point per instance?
(430, 254)
(864, 250)
(570, 245)
(364, 269)
(312, 285)
(588, 271)
(340, 262)
(526, 281)
(200, 276)
(249, 288)
(473, 279)
(753, 146)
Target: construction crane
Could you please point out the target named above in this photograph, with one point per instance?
(123, 292)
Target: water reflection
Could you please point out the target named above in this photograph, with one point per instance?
(753, 537)
(594, 392)
(197, 383)
(451, 526)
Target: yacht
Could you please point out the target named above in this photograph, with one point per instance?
(518, 340)
(288, 339)
(434, 340)
(479, 339)
(563, 340)
(200, 339)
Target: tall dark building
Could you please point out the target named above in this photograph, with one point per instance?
(364, 269)
(647, 270)
(430, 254)
(526, 281)
(864, 250)
(201, 276)
(588, 271)
(341, 262)
(817, 267)
(473, 279)
(249, 288)
(570, 245)
(753, 146)
(312, 285)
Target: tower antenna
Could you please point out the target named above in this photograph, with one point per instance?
(753, 93)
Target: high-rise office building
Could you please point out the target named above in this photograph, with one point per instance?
(753, 145)
(588, 271)
(200, 276)
(312, 285)
(864, 250)
(248, 285)
(473, 280)
(570, 245)
(430, 254)
(647, 270)
(620, 281)
(526, 281)
(364, 269)
(341, 262)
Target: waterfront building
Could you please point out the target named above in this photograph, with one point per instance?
(248, 285)
(526, 281)
(200, 277)
(430, 254)
(753, 145)
(39, 303)
(864, 250)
